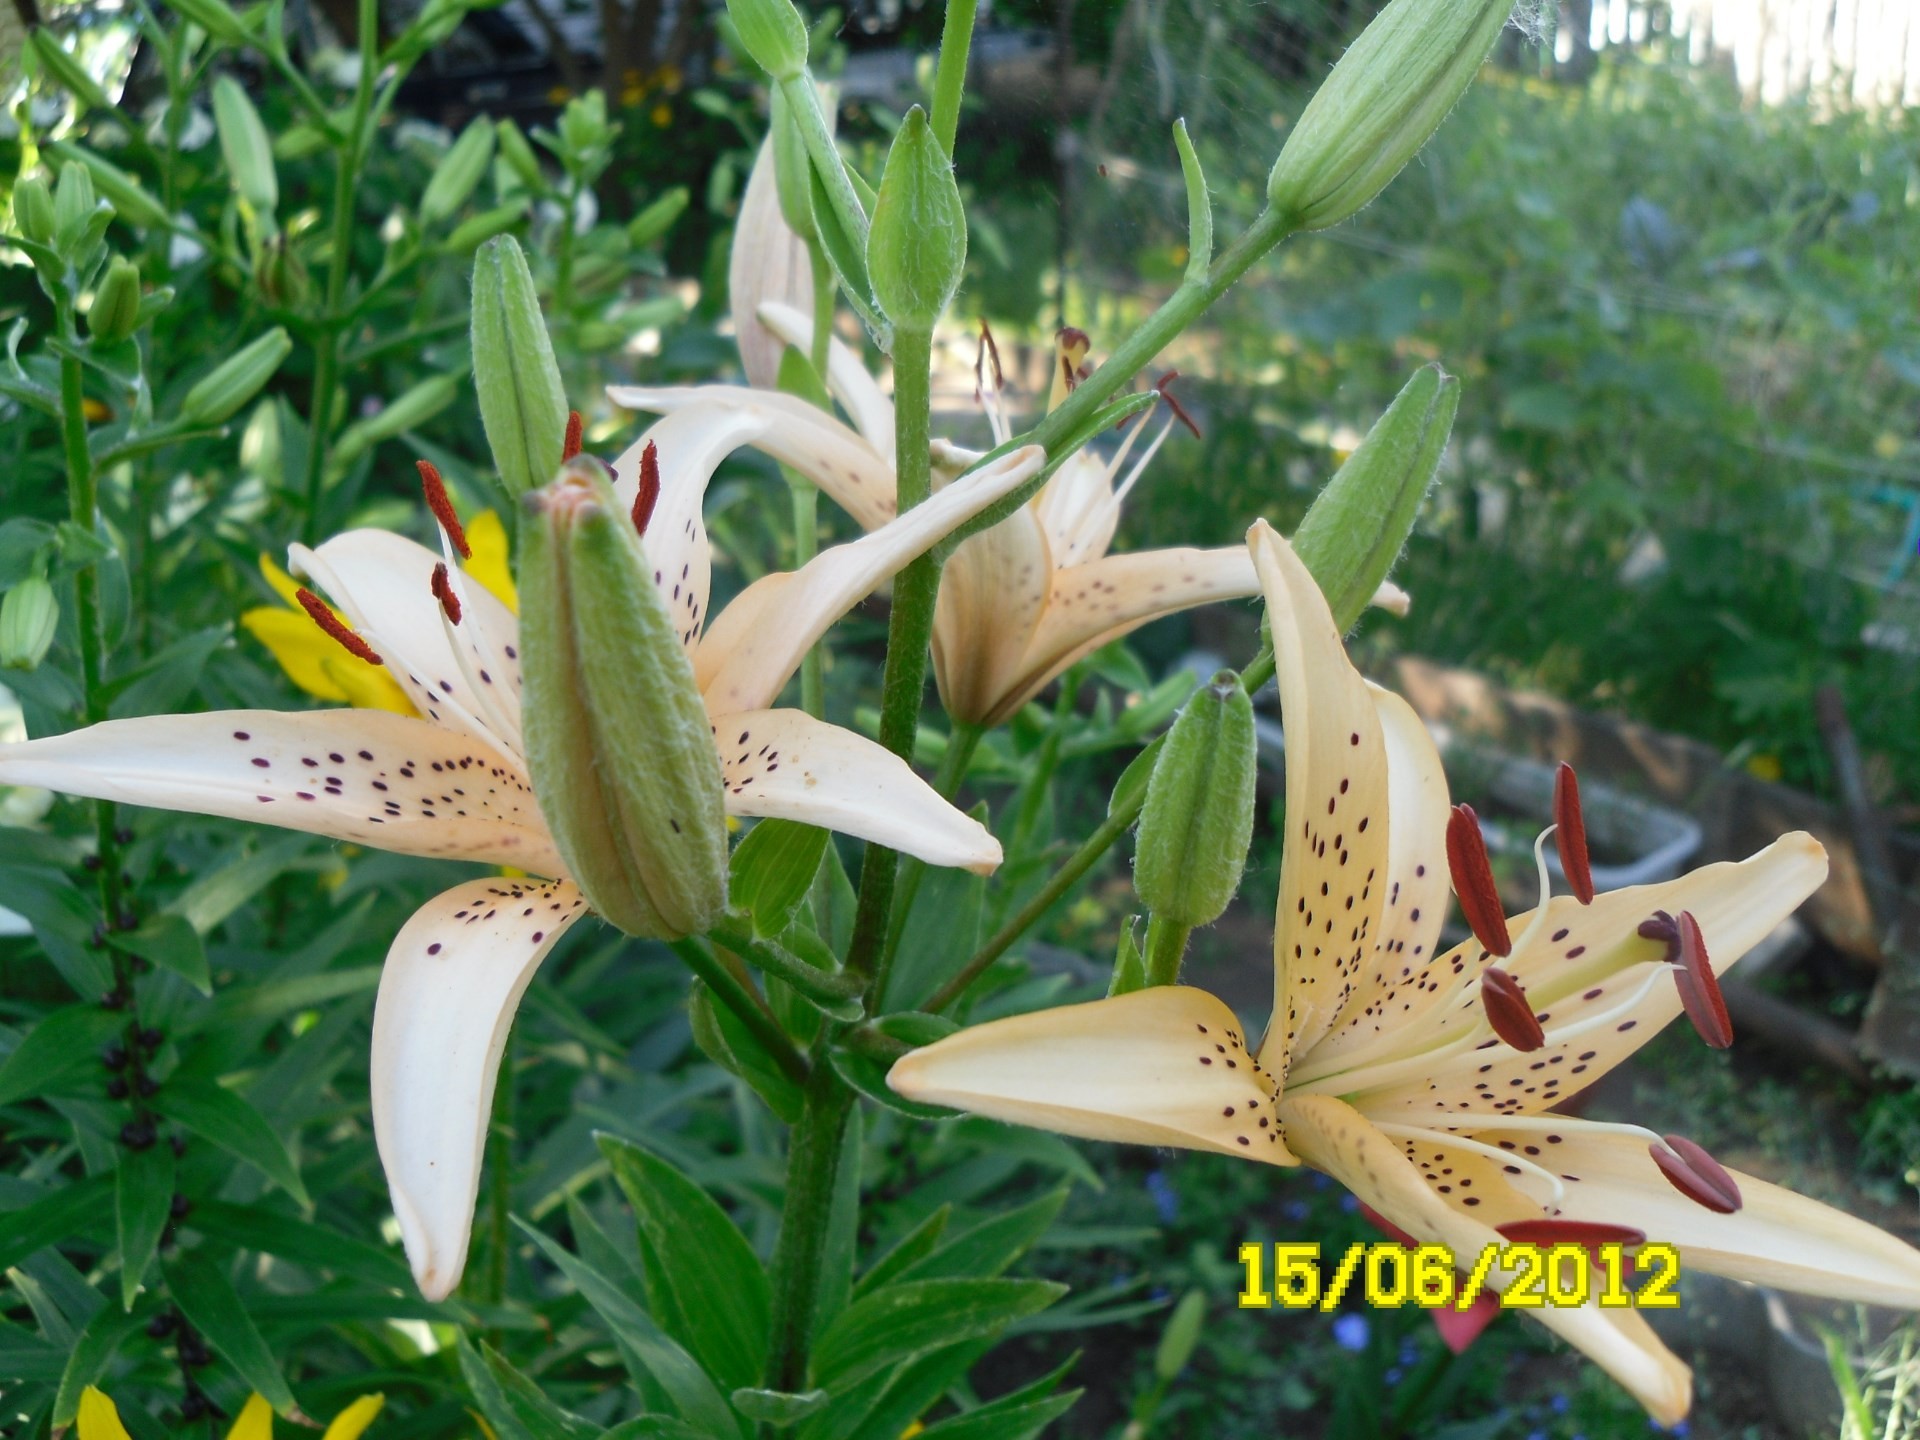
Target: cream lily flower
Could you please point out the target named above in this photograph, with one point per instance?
(451, 780)
(1423, 1081)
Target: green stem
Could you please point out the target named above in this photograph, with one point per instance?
(1166, 948)
(806, 544)
(745, 1003)
(83, 505)
(1062, 880)
(956, 39)
(813, 1164)
(1033, 790)
(826, 988)
(803, 97)
(961, 744)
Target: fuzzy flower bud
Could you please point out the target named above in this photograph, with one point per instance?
(33, 209)
(773, 32)
(617, 738)
(1198, 818)
(1382, 102)
(248, 151)
(28, 617)
(455, 178)
(522, 403)
(236, 380)
(518, 153)
(116, 303)
(917, 246)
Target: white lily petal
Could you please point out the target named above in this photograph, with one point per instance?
(1078, 508)
(371, 777)
(768, 262)
(453, 979)
(993, 593)
(1333, 870)
(786, 764)
(1776, 1238)
(804, 436)
(1165, 1066)
(1338, 1141)
(859, 394)
(759, 640)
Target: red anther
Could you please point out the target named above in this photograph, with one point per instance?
(1473, 881)
(1505, 1006)
(327, 621)
(1659, 926)
(649, 493)
(442, 507)
(987, 355)
(1590, 1233)
(1165, 386)
(443, 592)
(1570, 833)
(1700, 988)
(576, 430)
(1696, 1174)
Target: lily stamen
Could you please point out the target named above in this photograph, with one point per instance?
(1698, 986)
(648, 494)
(1504, 1003)
(1570, 834)
(576, 433)
(1590, 1233)
(1473, 881)
(438, 502)
(1165, 386)
(443, 592)
(327, 621)
(1696, 1174)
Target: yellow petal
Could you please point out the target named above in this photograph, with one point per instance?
(301, 649)
(99, 1418)
(352, 1421)
(364, 686)
(255, 1422)
(487, 539)
(284, 585)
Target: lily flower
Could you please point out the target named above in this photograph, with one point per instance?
(1424, 1080)
(451, 780)
(99, 1418)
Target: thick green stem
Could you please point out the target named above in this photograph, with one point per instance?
(1166, 948)
(813, 1165)
(950, 81)
(746, 1004)
(823, 987)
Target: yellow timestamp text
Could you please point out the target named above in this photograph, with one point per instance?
(1520, 1276)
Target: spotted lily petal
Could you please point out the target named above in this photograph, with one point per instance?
(1166, 1066)
(786, 764)
(313, 660)
(769, 262)
(993, 593)
(448, 992)
(365, 776)
(859, 394)
(758, 642)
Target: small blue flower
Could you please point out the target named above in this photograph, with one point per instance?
(1165, 1199)
(1296, 1210)
(1561, 1404)
(1350, 1331)
(1350, 1203)
(1320, 1182)
(1394, 1374)
(1536, 1435)
(1409, 1352)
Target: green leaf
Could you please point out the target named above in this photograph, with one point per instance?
(869, 1076)
(213, 897)
(990, 1247)
(223, 1118)
(901, 1320)
(772, 868)
(779, 1408)
(143, 1201)
(61, 1054)
(906, 1395)
(207, 1298)
(68, 1213)
(733, 1047)
(513, 1404)
(171, 943)
(1130, 791)
(842, 1228)
(907, 1250)
(1000, 1421)
(716, 1280)
(655, 1427)
(686, 1384)
(163, 683)
(300, 1242)
(92, 1353)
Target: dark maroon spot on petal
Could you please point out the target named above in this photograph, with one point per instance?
(434, 949)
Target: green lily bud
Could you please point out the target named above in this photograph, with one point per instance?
(1382, 102)
(28, 617)
(33, 209)
(516, 150)
(792, 172)
(773, 32)
(1355, 528)
(522, 403)
(236, 380)
(617, 738)
(654, 221)
(583, 128)
(1198, 819)
(244, 143)
(468, 235)
(129, 198)
(280, 275)
(73, 77)
(458, 173)
(917, 244)
(74, 200)
(215, 17)
(407, 411)
(116, 303)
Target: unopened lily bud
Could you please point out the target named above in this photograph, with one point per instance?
(1355, 528)
(618, 744)
(236, 380)
(1382, 102)
(654, 221)
(522, 403)
(409, 410)
(465, 237)
(917, 246)
(457, 175)
(518, 153)
(215, 17)
(116, 304)
(72, 76)
(244, 143)
(129, 198)
(33, 209)
(28, 617)
(1198, 819)
(281, 276)
(74, 200)
(773, 32)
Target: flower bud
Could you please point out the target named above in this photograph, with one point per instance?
(248, 151)
(1198, 819)
(33, 209)
(617, 739)
(280, 275)
(654, 221)
(407, 411)
(1387, 95)
(28, 617)
(215, 17)
(917, 245)
(458, 173)
(129, 199)
(72, 76)
(116, 303)
(469, 234)
(518, 153)
(236, 380)
(1355, 528)
(773, 32)
(74, 202)
(522, 403)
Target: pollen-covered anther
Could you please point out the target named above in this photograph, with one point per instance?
(576, 432)
(1698, 986)
(1696, 1174)
(648, 494)
(438, 502)
(443, 592)
(1165, 386)
(1473, 881)
(1570, 833)
(1659, 926)
(1590, 1233)
(1508, 1012)
(317, 610)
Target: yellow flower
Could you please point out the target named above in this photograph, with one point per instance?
(487, 539)
(312, 659)
(100, 1419)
